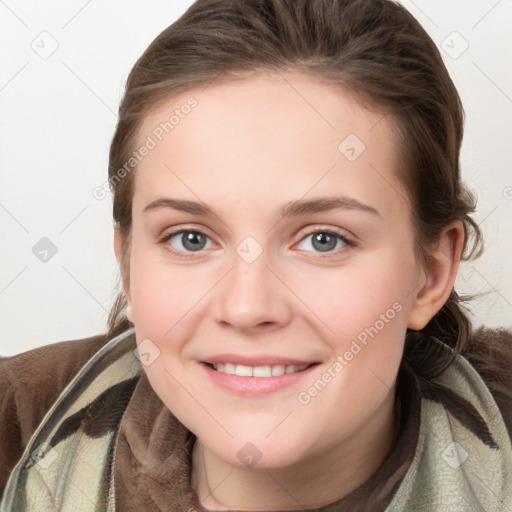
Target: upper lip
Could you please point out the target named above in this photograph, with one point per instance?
(255, 360)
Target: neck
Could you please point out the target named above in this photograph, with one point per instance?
(320, 480)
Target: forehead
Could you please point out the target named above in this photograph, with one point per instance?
(278, 99)
(275, 133)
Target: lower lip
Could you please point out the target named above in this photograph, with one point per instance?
(252, 386)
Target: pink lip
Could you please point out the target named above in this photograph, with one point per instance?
(254, 386)
(261, 360)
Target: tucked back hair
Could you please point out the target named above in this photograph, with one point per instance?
(373, 48)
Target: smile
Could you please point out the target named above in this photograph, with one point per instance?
(258, 371)
(251, 381)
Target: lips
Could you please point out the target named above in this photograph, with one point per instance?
(252, 375)
(263, 366)
(253, 381)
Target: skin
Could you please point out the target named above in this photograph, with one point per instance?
(248, 147)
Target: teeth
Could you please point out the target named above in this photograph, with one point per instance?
(258, 371)
(278, 369)
(243, 371)
(229, 368)
(262, 371)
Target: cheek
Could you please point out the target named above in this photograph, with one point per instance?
(162, 293)
(348, 300)
(362, 312)
(366, 323)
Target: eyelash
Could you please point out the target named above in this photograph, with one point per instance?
(179, 254)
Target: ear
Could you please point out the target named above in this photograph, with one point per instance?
(435, 281)
(118, 246)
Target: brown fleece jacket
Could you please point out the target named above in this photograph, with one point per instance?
(152, 463)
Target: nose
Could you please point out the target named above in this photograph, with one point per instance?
(252, 297)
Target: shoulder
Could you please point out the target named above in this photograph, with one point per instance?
(30, 382)
(36, 377)
(49, 367)
(490, 352)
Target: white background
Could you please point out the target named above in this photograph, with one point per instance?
(58, 116)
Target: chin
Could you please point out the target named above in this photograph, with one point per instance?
(257, 452)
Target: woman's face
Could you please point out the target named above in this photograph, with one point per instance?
(269, 230)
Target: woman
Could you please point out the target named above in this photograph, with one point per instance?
(310, 352)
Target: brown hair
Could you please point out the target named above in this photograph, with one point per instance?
(374, 48)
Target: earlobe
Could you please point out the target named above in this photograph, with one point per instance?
(437, 279)
(117, 243)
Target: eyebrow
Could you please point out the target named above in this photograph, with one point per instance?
(290, 209)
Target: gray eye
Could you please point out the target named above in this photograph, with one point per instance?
(322, 241)
(190, 240)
